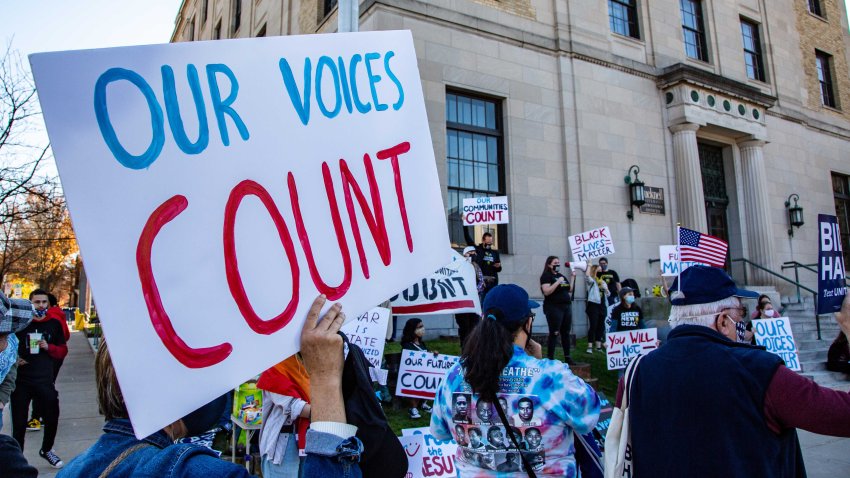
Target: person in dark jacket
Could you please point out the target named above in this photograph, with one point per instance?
(728, 408)
(838, 357)
(489, 261)
(627, 315)
(411, 339)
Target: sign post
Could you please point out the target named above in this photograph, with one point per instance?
(212, 209)
(832, 285)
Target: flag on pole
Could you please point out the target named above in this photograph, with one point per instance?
(698, 247)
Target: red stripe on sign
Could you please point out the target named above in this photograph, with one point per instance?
(433, 307)
(418, 393)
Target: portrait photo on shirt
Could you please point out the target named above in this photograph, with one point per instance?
(496, 439)
(484, 413)
(526, 408)
(508, 461)
(460, 407)
(533, 439)
(460, 435)
(536, 460)
(475, 437)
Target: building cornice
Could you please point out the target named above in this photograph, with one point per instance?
(682, 73)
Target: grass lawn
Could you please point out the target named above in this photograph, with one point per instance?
(397, 413)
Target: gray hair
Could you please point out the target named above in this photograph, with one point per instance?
(700, 314)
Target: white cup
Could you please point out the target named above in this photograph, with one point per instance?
(35, 338)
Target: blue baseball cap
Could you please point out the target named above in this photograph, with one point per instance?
(511, 300)
(705, 284)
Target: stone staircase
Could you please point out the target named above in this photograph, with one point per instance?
(812, 352)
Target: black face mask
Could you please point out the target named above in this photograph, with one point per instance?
(555, 268)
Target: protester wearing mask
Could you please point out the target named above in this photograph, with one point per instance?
(15, 315)
(35, 376)
(489, 261)
(411, 339)
(557, 306)
(731, 409)
(466, 321)
(627, 315)
(597, 299)
(611, 278)
(498, 351)
(761, 301)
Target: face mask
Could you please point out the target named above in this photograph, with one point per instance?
(468, 258)
(555, 268)
(488, 246)
(740, 330)
(40, 313)
(420, 332)
(769, 312)
(630, 299)
(604, 268)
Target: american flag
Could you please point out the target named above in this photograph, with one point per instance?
(697, 247)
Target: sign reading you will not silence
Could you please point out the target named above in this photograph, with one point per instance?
(623, 347)
(202, 170)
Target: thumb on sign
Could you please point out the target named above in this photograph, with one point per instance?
(843, 315)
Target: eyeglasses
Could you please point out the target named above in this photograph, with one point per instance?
(741, 310)
(420, 326)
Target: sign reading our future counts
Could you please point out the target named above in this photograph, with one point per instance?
(832, 286)
(217, 188)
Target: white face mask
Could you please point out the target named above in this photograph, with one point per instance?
(769, 312)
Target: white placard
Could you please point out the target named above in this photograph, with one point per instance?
(414, 449)
(451, 289)
(485, 210)
(623, 347)
(421, 373)
(438, 456)
(592, 244)
(669, 261)
(307, 158)
(777, 337)
(368, 331)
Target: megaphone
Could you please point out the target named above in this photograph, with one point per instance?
(579, 265)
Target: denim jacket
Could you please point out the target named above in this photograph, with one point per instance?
(163, 459)
(329, 456)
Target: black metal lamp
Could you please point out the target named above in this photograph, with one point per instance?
(637, 196)
(795, 214)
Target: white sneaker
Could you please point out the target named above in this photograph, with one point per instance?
(51, 458)
(414, 413)
(589, 351)
(426, 407)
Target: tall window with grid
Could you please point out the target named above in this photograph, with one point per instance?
(474, 161)
(693, 28)
(841, 190)
(623, 18)
(823, 62)
(237, 16)
(752, 50)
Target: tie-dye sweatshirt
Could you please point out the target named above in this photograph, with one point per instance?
(544, 403)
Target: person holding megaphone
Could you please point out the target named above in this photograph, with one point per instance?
(557, 305)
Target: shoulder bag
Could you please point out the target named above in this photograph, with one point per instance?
(618, 441)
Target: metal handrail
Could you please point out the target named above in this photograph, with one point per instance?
(809, 267)
(795, 283)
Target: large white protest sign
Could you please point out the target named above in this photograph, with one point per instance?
(592, 244)
(623, 347)
(670, 265)
(368, 331)
(450, 289)
(776, 336)
(421, 373)
(485, 210)
(216, 188)
(436, 459)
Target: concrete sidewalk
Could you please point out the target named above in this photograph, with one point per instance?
(80, 425)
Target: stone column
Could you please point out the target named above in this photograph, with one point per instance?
(689, 194)
(759, 230)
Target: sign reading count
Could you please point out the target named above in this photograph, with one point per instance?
(216, 188)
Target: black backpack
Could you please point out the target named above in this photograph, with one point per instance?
(383, 455)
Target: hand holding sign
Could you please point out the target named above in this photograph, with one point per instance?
(843, 315)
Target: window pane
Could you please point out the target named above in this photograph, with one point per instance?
(465, 111)
(478, 115)
(480, 147)
(451, 144)
(451, 172)
(491, 115)
(493, 172)
(492, 150)
(465, 150)
(451, 108)
(467, 179)
(481, 178)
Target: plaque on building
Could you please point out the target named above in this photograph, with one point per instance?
(654, 201)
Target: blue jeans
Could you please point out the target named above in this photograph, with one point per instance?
(287, 467)
(331, 456)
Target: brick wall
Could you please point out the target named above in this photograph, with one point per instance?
(826, 35)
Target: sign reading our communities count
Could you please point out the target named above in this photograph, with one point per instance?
(212, 208)
(485, 210)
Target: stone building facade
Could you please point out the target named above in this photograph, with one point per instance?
(728, 106)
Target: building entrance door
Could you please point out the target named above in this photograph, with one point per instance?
(714, 190)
